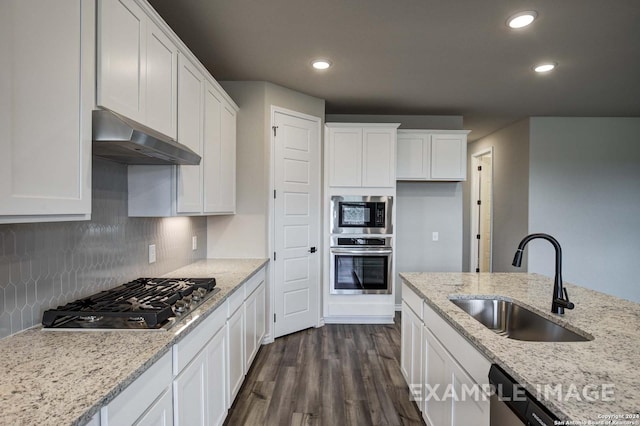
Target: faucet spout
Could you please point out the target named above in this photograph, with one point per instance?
(560, 300)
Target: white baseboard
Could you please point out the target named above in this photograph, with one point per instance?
(359, 320)
(267, 339)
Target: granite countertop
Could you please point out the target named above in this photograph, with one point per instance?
(64, 377)
(589, 374)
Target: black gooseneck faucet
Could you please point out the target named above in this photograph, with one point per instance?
(560, 299)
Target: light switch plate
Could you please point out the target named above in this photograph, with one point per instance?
(435, 236)
(194, 243)
(152, 253)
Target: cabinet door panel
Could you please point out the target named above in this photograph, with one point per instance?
(228, 161)
(250, 318)
(468, 408)
(160, 413)
(378, 158)
(190, 104)
(45, 111)
(235, 329)
(345, 157)
(411, 153)
(261, 319)
(121, 44)
(448, 157)
(437, 376)
(216, 377)
(189, 393)
(162, 82)
(212, 161)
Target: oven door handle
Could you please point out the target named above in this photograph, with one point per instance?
(369, 251)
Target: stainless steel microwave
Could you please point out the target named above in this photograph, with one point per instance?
(352, 214)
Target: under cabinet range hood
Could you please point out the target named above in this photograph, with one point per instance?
(122, 140)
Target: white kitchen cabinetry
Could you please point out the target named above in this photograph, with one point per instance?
(254, 309)
(236, 338)
(190, 117)
(432, 155)
(361, 155)
(207, 125)
(451, 368)
(144, 399)
(47, 76)
(458, 370)
(199, 364)
(137, 66)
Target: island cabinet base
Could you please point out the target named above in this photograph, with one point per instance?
(448, 376)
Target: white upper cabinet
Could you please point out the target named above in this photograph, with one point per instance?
(432, 155)
(47, 80)
(361, 155)
(190, 130)
(137, 66)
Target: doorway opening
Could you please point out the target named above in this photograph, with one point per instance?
(481, 211)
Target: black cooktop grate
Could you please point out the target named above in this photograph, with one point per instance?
(146, 299)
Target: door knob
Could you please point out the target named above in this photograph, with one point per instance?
(312, 250)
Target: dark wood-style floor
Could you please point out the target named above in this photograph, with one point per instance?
(334, 375)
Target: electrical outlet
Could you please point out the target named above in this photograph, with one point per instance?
(194, 243)
(435, 236)
(152, 253)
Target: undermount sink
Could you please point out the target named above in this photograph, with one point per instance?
(507, 318)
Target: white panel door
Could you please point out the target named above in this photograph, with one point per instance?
(216, 377)
(379, 157)
(190, 105)
(413, 154)
(235, 359)
(437, 376)
(161, 82)
(297, 222)
(47, 82)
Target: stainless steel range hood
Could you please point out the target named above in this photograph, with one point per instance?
(125, 141)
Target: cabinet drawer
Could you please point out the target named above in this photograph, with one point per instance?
(254, 282)
(465, 353)
(186, 349)
(127, 407)
(414, 301)
(235, 301)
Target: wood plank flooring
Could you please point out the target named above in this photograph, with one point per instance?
(334, 375)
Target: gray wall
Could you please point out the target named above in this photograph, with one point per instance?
(245, 234)
(510, 193)
(585, 190)
(44, 265)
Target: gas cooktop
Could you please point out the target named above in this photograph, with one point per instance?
(142, 304)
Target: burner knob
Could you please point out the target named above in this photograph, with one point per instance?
(181, 306)
(198, 294)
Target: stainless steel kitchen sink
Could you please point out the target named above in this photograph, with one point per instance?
(514, 321)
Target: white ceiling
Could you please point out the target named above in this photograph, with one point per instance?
(451, 57)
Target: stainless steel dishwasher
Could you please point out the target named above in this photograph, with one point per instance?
(512, 405)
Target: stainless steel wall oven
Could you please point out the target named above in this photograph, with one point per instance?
(361, 265)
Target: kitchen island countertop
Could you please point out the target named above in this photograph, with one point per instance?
(65, 377)
(583, 381)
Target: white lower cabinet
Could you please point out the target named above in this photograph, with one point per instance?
(411, 352)
(236, 336)
(143, 398)
(254, 309)
(160, 413)
(190, 393)
(453, 373)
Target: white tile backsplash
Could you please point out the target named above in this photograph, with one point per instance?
(43, 265)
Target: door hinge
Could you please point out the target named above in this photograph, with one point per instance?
(479, 168)
(274, 255)
(274, 194)
(479, 202)
(477, 236)
(274, 130)
(477, 269)
(274, 317)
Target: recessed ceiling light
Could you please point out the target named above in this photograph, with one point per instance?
(522, 19)
(546, 67)
(321, 64)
